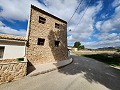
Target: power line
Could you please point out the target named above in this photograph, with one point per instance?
(75, 11)
(83, 14)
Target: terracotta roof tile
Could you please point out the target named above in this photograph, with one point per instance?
(11, 37)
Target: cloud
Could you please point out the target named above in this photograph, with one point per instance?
(113, 23)
(105, 40)
(17, 10)
(116, 3)
(98, 25)
(7, 30)
(85, 28)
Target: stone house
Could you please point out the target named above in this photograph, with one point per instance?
(46, 41)
(47, 37)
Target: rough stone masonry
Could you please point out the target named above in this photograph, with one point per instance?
(11, 69)
(47, 37)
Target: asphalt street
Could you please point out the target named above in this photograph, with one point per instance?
(82, 74)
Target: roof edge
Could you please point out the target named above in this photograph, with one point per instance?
(44, 12)
(12, 37)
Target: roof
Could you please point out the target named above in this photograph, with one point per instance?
(44, 12)
(11, 37)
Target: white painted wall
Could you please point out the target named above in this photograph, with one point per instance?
(13, 49)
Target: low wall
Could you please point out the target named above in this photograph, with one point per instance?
(12, 70)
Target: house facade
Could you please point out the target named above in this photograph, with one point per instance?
(47, 37)
(11, 47)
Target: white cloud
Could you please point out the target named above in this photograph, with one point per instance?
(98, 25)
(113, 23)
(105, 40)
(85, 28)
(17, 10)
(7, 30)
(116, 3)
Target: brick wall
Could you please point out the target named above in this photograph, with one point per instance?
(47, 52)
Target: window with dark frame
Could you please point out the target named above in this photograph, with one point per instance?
(42, 20)
(57, 25)
(57, 43)
(40, 41)
(1, 52)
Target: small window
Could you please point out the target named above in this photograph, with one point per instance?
(57, 43)
(41, 41)
(57, 25)
(42, 20)
(1, 52)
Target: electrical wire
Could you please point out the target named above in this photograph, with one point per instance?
(83, 15)
(75, 11)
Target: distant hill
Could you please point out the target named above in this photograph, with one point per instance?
(109, 48)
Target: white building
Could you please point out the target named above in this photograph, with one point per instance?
(12, 47)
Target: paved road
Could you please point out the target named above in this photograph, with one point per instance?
(82, 74)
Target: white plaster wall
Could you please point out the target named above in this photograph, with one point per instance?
(13, 49)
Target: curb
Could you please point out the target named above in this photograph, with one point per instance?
(115, 67)
(49, 70)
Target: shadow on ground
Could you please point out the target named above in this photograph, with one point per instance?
(95, 71)
(30, 67)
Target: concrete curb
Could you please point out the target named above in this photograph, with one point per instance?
(51, 69)
(115, 67)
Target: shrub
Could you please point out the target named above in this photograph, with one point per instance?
(118, 50)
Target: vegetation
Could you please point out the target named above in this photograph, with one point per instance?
(110, 59)
(118, 50)
(78, 45)
(20, 59)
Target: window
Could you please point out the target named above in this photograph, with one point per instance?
(42, 20)
(1, 52)
(57, 25)
(41, 41)
(57, 43)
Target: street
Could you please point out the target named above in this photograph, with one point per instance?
(82, 74)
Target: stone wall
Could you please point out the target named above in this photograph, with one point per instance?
(12, 70)
(48, 52)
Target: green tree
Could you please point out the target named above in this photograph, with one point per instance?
(78, 45)
(82, 47)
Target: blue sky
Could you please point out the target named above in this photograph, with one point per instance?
(99, 27)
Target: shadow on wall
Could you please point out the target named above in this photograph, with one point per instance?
(94, 71)
(60, 52)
